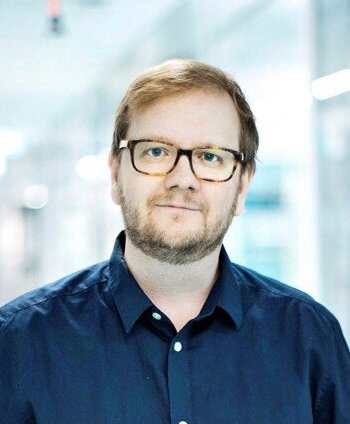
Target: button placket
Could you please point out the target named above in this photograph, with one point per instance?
(177, 346)
(179, 384)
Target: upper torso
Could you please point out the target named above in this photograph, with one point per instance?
(259, 352)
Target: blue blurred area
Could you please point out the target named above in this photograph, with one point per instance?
(62, 74)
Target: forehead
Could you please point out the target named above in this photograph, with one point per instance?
(197, 116)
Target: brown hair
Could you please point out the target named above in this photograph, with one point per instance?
(178, 76)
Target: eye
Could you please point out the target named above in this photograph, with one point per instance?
(155, 152)
(210, 157)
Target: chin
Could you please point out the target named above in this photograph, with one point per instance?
(178, 227)
(178, 219)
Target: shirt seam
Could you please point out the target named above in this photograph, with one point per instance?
(3, 325)
(312, 304)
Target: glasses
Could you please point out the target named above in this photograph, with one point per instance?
(159, 158)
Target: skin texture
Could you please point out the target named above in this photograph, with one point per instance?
(182, 247)
(175, 223)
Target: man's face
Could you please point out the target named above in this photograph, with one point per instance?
(178, 218)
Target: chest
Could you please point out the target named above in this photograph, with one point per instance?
(213, 376)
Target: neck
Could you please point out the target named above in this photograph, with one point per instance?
(179, 291)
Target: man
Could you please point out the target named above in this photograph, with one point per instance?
(168, 330)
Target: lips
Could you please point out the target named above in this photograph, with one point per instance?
(179, 206)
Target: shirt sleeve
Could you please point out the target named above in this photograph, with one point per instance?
(333, 401)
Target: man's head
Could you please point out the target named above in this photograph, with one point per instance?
(179, 76)
(181, 217)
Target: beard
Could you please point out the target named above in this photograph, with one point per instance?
(178, 249)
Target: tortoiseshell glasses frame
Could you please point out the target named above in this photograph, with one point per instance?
(231, 157)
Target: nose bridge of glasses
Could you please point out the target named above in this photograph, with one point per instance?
(182, 175)
(184, 152)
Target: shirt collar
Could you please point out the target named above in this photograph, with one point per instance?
(132, 302)
(228, 295)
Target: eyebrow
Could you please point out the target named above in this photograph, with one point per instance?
(175, 143)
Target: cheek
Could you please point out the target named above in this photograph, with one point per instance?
(115, 191)
(219, 200)
(137, 192)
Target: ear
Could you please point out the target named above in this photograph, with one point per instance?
(114, 165)
(242, 190)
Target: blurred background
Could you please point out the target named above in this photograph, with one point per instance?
(64, 66)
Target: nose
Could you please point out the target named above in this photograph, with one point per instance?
(182, 176)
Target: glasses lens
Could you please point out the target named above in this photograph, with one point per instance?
(213, 163)
(154, 157)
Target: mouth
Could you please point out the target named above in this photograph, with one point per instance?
(179, 207)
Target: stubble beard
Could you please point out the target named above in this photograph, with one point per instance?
(191, 247)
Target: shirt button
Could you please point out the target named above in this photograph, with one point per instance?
(177, 348)
(157, 316)
(183, 422)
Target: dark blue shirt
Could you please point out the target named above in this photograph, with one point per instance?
(93, 349)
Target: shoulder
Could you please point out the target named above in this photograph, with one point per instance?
(273, 308)
(68, 287)
(256, 287)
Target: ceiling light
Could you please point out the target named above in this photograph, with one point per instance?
(331, 85)
(36, 196)
(92, 168)
(11, 143)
